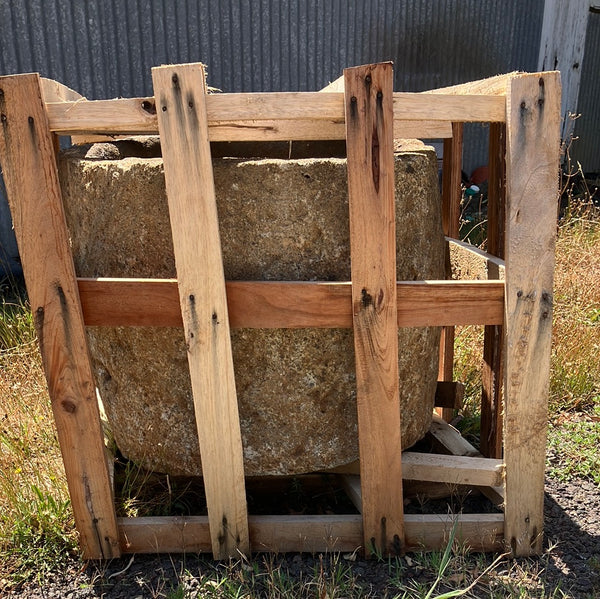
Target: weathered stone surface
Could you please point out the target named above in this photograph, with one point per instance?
(279, 220)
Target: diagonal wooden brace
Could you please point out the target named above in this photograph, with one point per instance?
(180, 92)
(31, 177)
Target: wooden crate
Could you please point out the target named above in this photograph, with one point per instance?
(515, 304)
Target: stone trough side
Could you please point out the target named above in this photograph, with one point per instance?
(279, 220)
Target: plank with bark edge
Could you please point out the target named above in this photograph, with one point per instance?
(30, 173)
(369, 142)
(180, 91)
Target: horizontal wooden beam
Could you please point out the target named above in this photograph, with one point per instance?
(451, 469)
(270, 304)
(279, 534)
(237, 116)
(438, 468)
(403, 129)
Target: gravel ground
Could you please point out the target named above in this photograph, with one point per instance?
(572, 563)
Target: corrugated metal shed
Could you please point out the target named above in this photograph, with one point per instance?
(586, 149)
(105, 48)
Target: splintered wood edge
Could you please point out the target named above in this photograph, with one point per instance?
(337, 533)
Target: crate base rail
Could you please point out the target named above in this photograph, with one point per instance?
(337, 533)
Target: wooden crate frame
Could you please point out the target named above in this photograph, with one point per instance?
(524, 113)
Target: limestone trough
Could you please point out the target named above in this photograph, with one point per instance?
(280, 219)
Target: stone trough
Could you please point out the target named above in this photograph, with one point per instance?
(280, 219)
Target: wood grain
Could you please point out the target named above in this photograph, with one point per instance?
(291, 305)
(532, 167)
(278, 534)
(180, 92)
(236, 115)
(369, 144)
(29, 168)
(432, 467)
(494, 86)
(451, 469)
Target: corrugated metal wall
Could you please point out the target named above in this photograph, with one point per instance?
(105, 48)
(586, 149)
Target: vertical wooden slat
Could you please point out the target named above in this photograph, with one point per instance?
(491, 396)
(29, 167)
(452, 181)
(451, 197)
(369, 140)
(180, 91)
(532, 166)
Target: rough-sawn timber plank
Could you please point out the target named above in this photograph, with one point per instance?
(451, 469)
(273, 304)
(30, 173)
(181, 92)
(532, 170)
(238, 114)
(370, 151)
(278, 534)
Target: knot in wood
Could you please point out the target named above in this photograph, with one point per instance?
(149, 107)
(366, 299)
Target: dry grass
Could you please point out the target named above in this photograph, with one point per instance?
(35, 516)
(576, 332)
